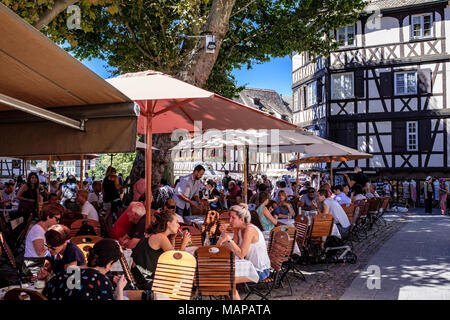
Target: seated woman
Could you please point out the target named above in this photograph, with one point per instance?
(357, 193)
(35, 243)
(284, 208)
(268, 221)
(247, 242)
(63, 253)
(146, 253)
(95, 285)
(131, 216)
(212, 195)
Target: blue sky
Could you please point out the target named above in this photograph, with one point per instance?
(275, 74)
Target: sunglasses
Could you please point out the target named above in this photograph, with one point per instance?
(58, 219)
(170, 207)
(50, 247)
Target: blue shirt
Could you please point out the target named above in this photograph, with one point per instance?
(188, 188)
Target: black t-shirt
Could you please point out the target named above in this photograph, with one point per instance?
(360, 178)
(138, 230)
(214, 193)
(71, 254)
(94, 286)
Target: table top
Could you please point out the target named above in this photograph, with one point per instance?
(24, 286)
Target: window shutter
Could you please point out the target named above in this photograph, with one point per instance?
(386, 84)
(398, 137)
(319, 90)
(359, 83)
(425, 135)
(424, 81)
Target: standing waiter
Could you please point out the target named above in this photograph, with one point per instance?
(186, 189)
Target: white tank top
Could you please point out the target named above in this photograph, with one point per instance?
(257, 252)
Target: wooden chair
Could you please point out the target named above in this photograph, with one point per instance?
(321, 228)
(174, 275)
(7, 250)
(23, 294)
(360, 218)
(224, 218)
(301, 225)
(215, 272)
(84, 247)
(210, 227)
(374, 207)
(68, 218)
(255, 220)
(127, 272)
(280, 243)
(349, 209)
(383, 207)
(75, 226)
(196, 237)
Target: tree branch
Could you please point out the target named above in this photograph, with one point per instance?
(49, 14)
(241, 9)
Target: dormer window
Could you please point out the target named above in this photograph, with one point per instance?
(421, 26)
(256, 101)
(346, 36)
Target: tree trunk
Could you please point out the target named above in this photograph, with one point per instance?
(199, 63)
(48, 15)
(196, 71)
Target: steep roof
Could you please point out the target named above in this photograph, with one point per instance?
(266, 100)
(394, 4)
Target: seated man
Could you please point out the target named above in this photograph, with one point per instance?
(371, 191)
(96, 197)
(8, 195)
(127, 220)
(332, 207)
(87, 209)
(54, 203)
(341, 197)
(306, 201)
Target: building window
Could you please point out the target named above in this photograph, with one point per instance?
(312, 93)
(346, 36)
(411, 136)
(342, 86)
(406, 83)
(421, 26)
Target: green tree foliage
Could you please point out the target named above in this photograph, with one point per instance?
(137, 35)
(123, 162)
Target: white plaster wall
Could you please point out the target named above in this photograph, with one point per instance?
(383, 126)
(373, 90)
(350, 108)
(436, 160)
(334, 109)
(361, 127)
(388, 33)
(361, 107)
(437, 87)
(438, 143)
(435, 103)
(296, 61)
(398, 105)
(376, 162)
(386, 141)
(377, 105)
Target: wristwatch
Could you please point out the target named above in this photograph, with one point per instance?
(229, 241)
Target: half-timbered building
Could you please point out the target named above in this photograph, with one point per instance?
(384, 91)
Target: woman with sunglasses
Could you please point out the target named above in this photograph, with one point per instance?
(63, 253)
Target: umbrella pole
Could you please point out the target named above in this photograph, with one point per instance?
(148, 167)
(82, 170)
(49, 171)
(296, 180)
(245, 172)
(331, 171)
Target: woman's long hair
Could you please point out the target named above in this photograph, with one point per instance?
(109, 171)
(161, 219)
(103, 252)
(29, 184)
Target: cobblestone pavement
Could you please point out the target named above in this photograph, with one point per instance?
(413, 264)
(330, 283)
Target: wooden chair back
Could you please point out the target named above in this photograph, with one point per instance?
(301, 225)
(385, 203)
(196, 237)
(68, 218)
(280, 244)
(362, 206)
(321, 226)
(349, 209)
(18, 294)
(211, 225)
(127, 271)
(85, 239)
(84, 247)
(76, 225)
(255, 220)
(5, 248)
(225, 219)
(215, 271)
(174, 275)
(292, 232)
(374, 205)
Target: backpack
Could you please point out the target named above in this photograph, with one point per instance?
(86, 230)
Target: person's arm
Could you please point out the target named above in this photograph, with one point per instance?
(39, 247)
(241, 251)
(132, 243)
(21, 191)
(120, 282)
(269, 216)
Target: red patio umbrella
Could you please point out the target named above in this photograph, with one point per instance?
(167, 104)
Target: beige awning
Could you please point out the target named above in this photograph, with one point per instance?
(37, 76)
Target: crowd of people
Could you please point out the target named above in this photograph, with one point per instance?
(48, 251)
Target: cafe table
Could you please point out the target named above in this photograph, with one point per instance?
(30, 286)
